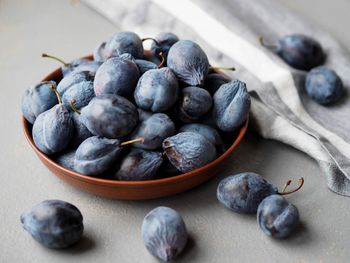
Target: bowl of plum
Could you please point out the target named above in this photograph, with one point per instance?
(130, 123)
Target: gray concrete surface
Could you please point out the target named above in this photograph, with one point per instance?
(112, 228)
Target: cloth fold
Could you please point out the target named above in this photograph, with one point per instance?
(228, 31)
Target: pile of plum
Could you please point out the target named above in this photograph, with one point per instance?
(168, 103)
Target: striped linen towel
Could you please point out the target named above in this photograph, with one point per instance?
(228, 31)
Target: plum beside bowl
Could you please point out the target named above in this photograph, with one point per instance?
(134, 190)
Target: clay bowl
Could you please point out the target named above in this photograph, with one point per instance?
(134, 190)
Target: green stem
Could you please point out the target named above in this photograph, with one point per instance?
(72, 102)
(56, 92)
(44, 55)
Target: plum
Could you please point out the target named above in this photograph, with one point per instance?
(156, 90)
(124, 42)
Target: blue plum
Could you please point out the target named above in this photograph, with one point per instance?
(118, 75)
(38, 99)
(54, 223)
(194, 102)
(299, 51)
(154, 130)
(243, 192)
(74, 78)
(145, 65)
(188, 151)
(144, 115)
(164, 41)
(53, 129)
(207, 131)
(99, 53)
(81, 132)
(91, 66)
(276, 217)
(323, 85)
(231, 105)
(109, 116)
(139, 165)
(164, 233)
(96, 155)
(81, 92)
(67, 68)
(124, 42)
(66, 158)
(157, 90)
(189, 62)
(214, 81)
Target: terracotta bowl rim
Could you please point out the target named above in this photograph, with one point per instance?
(101, 181)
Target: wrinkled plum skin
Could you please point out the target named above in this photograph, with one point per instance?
(99, 53)
(96, 155)
(188, 151)
(276, 217)
(38, 99)
(194, 102)
(154, 130)
(54, 223)
(109, 116)
(323, 85)
(164, 233)
(82, 93)
(124, 42)
(74, 78)
(243, 192)
(117, 76)
(139, 165)
(66, 158)
(53, 130)
(157, 90)
(300, 52)
(214, 81)
(165, 40)
(189, 62)
(81, 133)
(145, 65)
(206, 131)
(231, 105)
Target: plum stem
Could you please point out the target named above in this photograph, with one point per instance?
(269, 46)
(72, 102)
(162, 61)
(224, 68)
(56, 92)
(286, 185)
(150, 38)
(132, 141)
(44, 55)
(300, 185)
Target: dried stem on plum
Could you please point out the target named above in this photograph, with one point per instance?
(223, 68)
(132, 141)
(44, 55)
(300, 185)
(262, 42)
(162, 60)
(73, 106)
